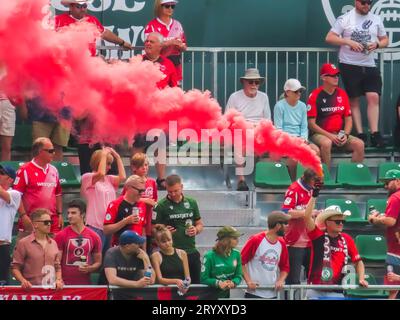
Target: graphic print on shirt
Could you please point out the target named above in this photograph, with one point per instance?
(77, 248)
(269, 260)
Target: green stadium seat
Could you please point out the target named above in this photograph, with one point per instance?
(355, 175)
(372, 247)
(13, 164)
(360, 293)
(23, 137)
(271, 174)
(379, 204)
(329, 183)
(67, 174)
(385, 167)
(346, 204)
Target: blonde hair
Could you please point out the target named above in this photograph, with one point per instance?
(157, 8)
(161, 233)
(138, 160)
(96, 158)
(223, 246)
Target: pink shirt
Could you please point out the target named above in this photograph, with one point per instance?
(73, 246)
(98, 197)
(30, 258)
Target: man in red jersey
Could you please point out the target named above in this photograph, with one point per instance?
(329, 117)
(332, 250)
(78, 13)
(38, 182)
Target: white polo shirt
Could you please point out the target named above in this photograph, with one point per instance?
(7, 214)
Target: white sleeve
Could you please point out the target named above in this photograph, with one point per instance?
(15, 199)
(381, 29)
(338, 27)
(230, 103)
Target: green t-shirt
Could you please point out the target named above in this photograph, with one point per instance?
(176, 215)
(216, 267)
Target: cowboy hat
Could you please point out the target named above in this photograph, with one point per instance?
(68, 2)
(329, 212)
(252, 74)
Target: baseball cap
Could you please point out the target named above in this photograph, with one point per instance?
(391, 175)
(9, 171)
(328, 69)
(276, 217)
(129, 237)
(293, 85)
(228, 231)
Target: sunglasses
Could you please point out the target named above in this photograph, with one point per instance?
(256, 82)
(81, 6)
(45, 222)
(364, 2)
(138, 190)
(49, 150)
(169, 6)
(283, 222)
(338, 222)
(300, 91)
(3, 173)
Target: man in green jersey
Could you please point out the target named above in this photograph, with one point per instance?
(180, 214)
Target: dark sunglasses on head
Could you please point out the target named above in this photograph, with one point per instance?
(256, 82)
(49, 150)
(45, 222)
(169, 6)
(81, 6)
(338, 222)
(364, 2)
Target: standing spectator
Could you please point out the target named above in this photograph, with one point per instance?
(180, 214)
(172, 31)
(359, 33)
(100, 188)
(390, 220)
(140, 167)
(36, 259)
(329, 117)
(170, 264)
(396, 133)
(298, 243)
(125, 264)
(222, 266)
(331, 249)
(9, 204)
(39, 184)
(252, 104)
(80, 247)
(290, 115)
(126, 212)
(263, 255)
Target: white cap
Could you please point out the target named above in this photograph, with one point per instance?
(168, 1)
(293, 85)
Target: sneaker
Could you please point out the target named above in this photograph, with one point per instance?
(377, 140)
(363, 137)
(161, 184)
(242, 186)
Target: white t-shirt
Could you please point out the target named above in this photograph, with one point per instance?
(7, 214)
(252, 109)
(362, 29)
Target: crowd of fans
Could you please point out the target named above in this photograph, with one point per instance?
(133, 239)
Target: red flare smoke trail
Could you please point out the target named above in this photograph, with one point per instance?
(121, 97)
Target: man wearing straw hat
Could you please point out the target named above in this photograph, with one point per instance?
(252, 104)
(331, 249)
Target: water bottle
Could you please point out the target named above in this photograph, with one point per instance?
(186, 284)
(188, 224)
(389, 268)
(341, 134)
(148, 272)
(83, 260)
(372, 210)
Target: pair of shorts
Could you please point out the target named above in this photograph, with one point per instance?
(7, 118)
(316, 138)
(56, 132)
(358, 80)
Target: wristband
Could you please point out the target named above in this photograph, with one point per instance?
(122, 43)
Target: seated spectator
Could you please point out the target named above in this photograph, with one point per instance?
(125, 264)
(329, 118)
(222, 266)
(140, 167)
(126, 212)
(396, 134)
(36, 259)
(100, 188)
(170, 264)
(80, 247)
(290, 115)
(9, 204)
(265, 258)
(252, 104)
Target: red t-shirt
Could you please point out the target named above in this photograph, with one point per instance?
(166, 67)
(65, 19)
(329, 110)
(337, 256)
(393, 233)
(39, 188)
(297, 197)
(150, 193)
(118, 210)
(73, 246)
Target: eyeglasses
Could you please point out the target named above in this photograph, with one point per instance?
(81, 6)
(256, 82)
(338, 222)
(45, 222)
(49, 150)
(169, 6)
(138, 190)
(283, 222)
(364, 2)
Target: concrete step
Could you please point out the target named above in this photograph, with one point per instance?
(232, 217)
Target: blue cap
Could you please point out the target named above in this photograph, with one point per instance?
(128, 237)
(9, 171)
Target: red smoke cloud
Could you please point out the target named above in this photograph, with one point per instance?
(121, 97)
